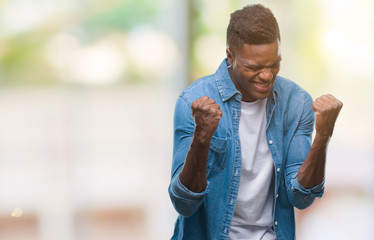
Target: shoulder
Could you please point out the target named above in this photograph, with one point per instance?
(204, 86)
(294, 102)
(291, 93)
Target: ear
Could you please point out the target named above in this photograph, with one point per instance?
(229, 55)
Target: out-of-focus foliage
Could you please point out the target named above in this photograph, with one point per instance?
(122, 14)
(32, 48)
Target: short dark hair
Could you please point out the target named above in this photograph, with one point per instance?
(254, 24)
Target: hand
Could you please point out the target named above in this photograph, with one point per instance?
(207, 115)
(327, 109)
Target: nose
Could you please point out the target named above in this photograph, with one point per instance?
(266, 74)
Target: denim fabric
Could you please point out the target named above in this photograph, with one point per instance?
(290, 124)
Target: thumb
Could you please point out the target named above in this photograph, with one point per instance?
(314, 106)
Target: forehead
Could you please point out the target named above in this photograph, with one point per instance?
(260, 54)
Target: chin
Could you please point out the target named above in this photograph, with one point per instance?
(263, 96)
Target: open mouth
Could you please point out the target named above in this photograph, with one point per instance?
(262, 86)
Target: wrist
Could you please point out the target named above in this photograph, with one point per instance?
(322, 138)
(201, 137)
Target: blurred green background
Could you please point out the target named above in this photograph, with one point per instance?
(87, 91)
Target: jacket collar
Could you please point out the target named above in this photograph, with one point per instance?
(273, 96)
(226, 87)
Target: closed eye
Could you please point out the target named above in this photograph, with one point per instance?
(254, 68)
(275, 65)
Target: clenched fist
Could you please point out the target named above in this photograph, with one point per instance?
(206, 114)
(327, 109)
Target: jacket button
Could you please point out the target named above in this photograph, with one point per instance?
(270, 142)
(278, 169)
(276, 223)
(276, 196)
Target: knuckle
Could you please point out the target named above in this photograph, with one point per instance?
(204, 107)
(204, 98)
(324, 110)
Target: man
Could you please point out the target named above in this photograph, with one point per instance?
(243, 153)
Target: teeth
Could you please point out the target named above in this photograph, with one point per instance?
(261, 84)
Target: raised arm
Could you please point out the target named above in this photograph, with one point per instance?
(194, 127)
(207, 115)
(312, 171)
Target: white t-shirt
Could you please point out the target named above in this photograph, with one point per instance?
(253, 215)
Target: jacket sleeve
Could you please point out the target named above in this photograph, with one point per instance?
(185, 201)
(298, 150)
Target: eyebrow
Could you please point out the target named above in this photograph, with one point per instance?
(248, 65)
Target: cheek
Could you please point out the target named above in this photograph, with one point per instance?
(275, 73)
(245, 79)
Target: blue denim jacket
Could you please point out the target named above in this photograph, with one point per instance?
(290, 124)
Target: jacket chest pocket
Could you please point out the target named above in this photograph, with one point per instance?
(217, 153)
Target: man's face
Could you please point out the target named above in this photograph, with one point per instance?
(254, 69)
